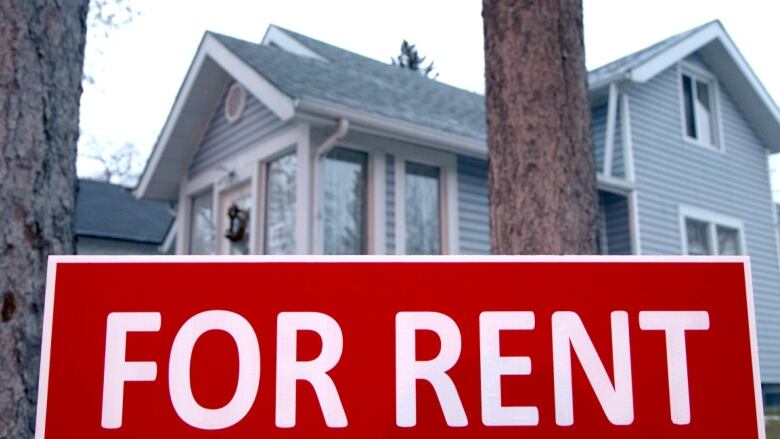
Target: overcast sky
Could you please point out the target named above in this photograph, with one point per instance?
(141, 66)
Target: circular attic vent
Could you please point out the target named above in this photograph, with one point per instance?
(235, 101)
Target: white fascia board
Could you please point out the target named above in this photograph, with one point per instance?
(278, 37)
(279, 103)
(667, 58)
(392, 128)
(713, 32)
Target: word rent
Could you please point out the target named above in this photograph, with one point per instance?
(569, 334)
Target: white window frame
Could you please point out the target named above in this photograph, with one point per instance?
(246, 166)
(697, 73)
(712, 219)
(262, 197)
(448, 196)
(376, 215)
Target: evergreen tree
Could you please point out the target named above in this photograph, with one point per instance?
(410, 59)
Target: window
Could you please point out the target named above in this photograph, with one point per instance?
(699, 109)
(422, 209)
(202, 225)
(345, 182)
(280, 206)
(707, 234)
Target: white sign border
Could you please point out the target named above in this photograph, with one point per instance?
(51, 276)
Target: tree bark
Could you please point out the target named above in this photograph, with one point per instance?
(41, 58)
(542, 177)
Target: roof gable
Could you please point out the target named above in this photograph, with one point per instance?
(717, 49)
(296, 75)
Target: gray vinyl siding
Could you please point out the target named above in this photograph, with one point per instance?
(473, 213)
(735, 182)
(615, 231)
(390, 204)
(223, 139)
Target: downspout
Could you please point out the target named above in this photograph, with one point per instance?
(341, 130)
(342, 126)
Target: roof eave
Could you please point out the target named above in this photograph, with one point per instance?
(391, 127)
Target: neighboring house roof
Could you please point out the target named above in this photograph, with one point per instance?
(294, 74)
(105, 210)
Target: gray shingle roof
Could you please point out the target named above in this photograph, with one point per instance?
(108, 210)
(628, 62)
(365, 84)
(362, 83)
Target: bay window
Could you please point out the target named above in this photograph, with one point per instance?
(280, 206)
(344, 191)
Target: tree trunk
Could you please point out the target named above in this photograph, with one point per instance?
(41, 57)
(543, 196)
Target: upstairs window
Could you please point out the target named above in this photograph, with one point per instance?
(700, 109)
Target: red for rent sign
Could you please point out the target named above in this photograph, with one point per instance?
(533, 347)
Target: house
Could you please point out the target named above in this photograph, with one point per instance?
(111, 221)
(296, 146)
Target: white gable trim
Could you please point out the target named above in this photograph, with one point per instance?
(278, 37)
(766, 110)
(279, 103)
(667, 58)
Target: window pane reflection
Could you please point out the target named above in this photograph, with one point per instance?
(344, 206)
(423, 218)
(280, 206)
(202, 225)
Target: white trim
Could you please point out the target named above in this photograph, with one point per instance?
(211, 48)
(713, 31)
(753, 330)
(613, 184)
(318, 195)
(633, 222)
(678, 51)
(698, 74)
(259, 189)
(712, 219)
(378, 214)
(609, 142)
(304, 190)
(277, 36)
(448, 195)
(242, 164)
(210, 259)
(627, 137)
(235, 89)
(43, 374)
(400, 205)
